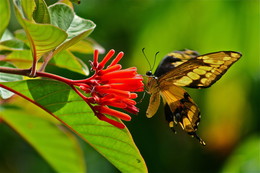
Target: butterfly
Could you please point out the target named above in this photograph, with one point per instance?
(185, 69)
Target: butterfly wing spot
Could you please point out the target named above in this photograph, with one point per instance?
(206, 68)
(185, 80)
(235, 55)
(199, 71)
(176, 55)
(216, 71)
(171, 125)
(227, 58)
(193, 75)
(186, 125)
(203, 81)
(210, 61)
(208, 75)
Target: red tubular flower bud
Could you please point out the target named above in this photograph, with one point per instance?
(127, 87)
(133, 96)
(113, 122)
(85, 88)
(106, 58)
(132, 80)
(118, 74)
(114, 104)
(132, 109)
(129, 102)
(117, 59)
(112, 112)
(99, 88)
(95, 59)
(110, 69)
(120, 93)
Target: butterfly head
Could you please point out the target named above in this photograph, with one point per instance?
(149, 73)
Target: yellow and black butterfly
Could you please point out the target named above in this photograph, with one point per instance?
(185, 68)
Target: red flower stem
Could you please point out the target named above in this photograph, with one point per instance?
(55, 77)
(84, 80)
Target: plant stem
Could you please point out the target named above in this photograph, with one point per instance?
(24, 72)
(46, 60)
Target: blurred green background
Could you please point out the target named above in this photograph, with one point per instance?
(230, 108)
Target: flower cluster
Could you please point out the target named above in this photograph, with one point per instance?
(112, 87)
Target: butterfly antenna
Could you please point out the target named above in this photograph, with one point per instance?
(146, 58)
(155, 58)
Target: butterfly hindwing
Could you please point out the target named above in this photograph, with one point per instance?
(180, 108)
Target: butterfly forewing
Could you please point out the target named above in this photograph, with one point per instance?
(201, 71)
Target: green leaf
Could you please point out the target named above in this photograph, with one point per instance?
(61, 16)
(21, 35)
(28, 7)
(86, 46)
(76, 27)
(61, 60)
(13, 44)
(64, 104)
(41, 13)
(42, 37)
(62, 152)
(5, 77)
(4, 15)
(7, 35)
(21, 59)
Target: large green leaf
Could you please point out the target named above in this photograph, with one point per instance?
(63, 103)
(42, 37)
(76, 27)
(4, 15)
(5, 77)
(58, 147)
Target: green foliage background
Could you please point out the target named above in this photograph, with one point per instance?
(230, 108)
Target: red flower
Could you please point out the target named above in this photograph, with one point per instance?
(112, 87)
